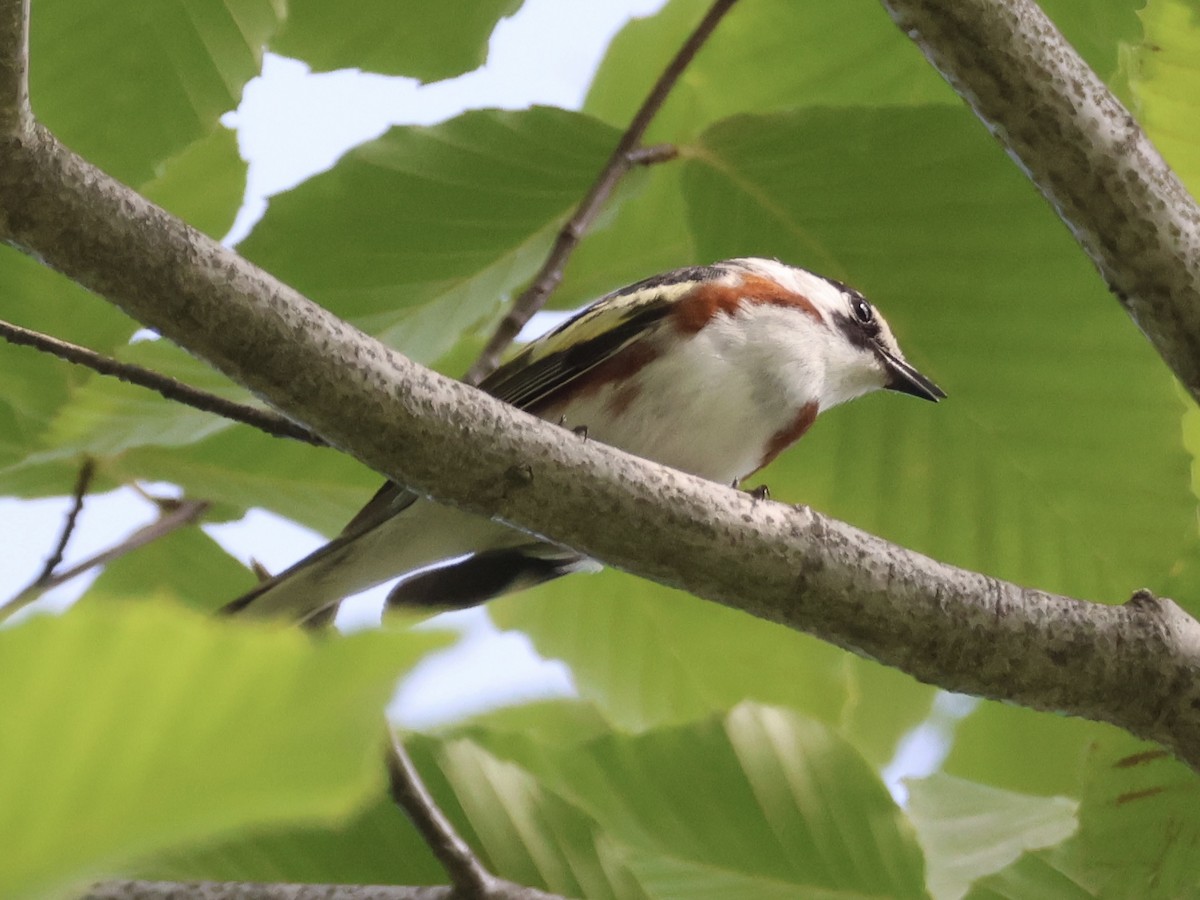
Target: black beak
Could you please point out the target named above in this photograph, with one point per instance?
(907, 380)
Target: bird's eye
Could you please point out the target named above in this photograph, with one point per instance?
(862, 310)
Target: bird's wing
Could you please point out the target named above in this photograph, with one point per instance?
(547, 365)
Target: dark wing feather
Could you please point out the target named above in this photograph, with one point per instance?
(541, 371)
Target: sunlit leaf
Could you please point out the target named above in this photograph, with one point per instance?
(969, 830)
(759, 797)
(143, 726)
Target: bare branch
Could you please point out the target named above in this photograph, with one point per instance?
(263, 419)
(15, 117)
(82, 483)
(185, 513)
(1083, 151)
(241, 890)
(550, 274)
(466, 872)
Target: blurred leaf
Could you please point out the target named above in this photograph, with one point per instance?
(241, 467)
(204, 184)
(984, 742)
(969, 830)
(760, 797)
(129, 84)
(1098, 31)
(168, 569)
(1055, 873)
(1163, 70)
(377, 845)
(129, 729)
(648, 656)
(522, 828)
(36, 385)
(1140, 820)
(1139, 833)
(422, 234)
(425, 39)
(106, 416)
(1057, 460)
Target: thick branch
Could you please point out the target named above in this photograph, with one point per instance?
(623, 156)
(15, 117)
(1083, 151)
(1137, 666)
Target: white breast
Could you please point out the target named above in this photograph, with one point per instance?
(711, 406)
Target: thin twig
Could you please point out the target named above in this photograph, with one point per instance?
(82, 483)
(652, 155)
(187, 512)
(623, 156)
(467, 874)
(263, 419)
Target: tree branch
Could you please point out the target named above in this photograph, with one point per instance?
(1137, 666)
(1083, 151)
(241, 890)
(623, 156)
(468, 877)
(245, 890)
(263, 419)
(15, 115)
(182, 514)
(82, 483)
(467, 874)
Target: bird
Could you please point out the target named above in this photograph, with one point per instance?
(713, 370)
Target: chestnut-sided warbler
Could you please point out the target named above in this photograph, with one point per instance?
(713, 370)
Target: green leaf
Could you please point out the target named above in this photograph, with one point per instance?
(1140, 820)
(422, 234)
(985, 741)
(1163, 71)
(969, 830)
(37, 385)
(166, 569)
(425, 39)
(204, 184)
(1054, 873)
(130, 729)
(105, 416)
(1099, 32)
(824, 54)
(759, 797)
(648, 233)
(1139, 832)
(649, 656)
(129, 84)
(526, 831)
(377, 845)
(241, 467)
(1057, 460)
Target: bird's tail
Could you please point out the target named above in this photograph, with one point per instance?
(487, 575)
(484, 560)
